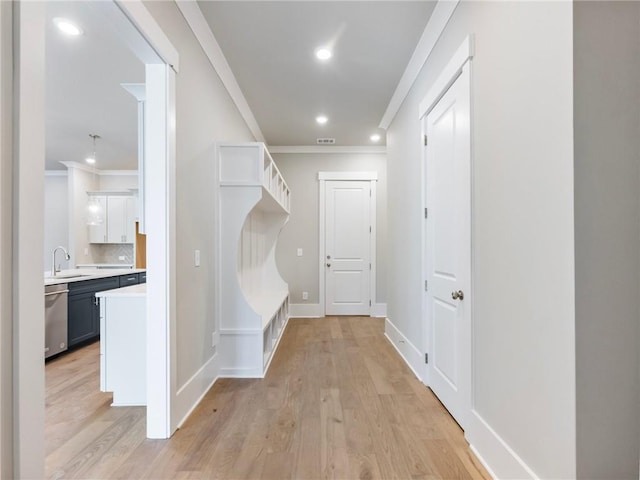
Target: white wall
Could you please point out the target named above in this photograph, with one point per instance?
(79, 183)
(523, 326)
(28, 232)
(117, 182)
(204, 114)
(607, 229)
(6, 318)
(56, 218)
(300, 171)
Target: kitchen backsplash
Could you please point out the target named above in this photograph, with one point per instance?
(111, 253)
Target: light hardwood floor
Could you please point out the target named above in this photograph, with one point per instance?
(337, 402)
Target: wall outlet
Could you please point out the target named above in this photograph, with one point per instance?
(305, 295)
(121, 257)
(196, 258)
(299, 252)
(86, 252)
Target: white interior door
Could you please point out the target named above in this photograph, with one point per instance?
(448, 247)
(347, 247)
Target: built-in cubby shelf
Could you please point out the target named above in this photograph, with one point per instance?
(254, 202)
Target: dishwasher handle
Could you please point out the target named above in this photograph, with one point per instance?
(55, 293)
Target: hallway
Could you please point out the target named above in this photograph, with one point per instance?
(337, 402)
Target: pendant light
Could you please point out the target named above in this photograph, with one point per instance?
(95, 211)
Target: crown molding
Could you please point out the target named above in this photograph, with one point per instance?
(435, 26)
(86, 168)
(327, 149)
(200, 28)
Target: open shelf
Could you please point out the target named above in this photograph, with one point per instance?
(254, 299)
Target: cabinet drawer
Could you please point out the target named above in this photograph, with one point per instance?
(131, 279)
(142, 277)
(97, 285)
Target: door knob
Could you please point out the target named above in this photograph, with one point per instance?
(459, 295)
(328, 265)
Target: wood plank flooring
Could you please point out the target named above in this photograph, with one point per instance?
(338, 402)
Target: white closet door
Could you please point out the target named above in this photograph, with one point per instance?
(448, 249)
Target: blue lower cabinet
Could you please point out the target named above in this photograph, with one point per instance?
(83, 314)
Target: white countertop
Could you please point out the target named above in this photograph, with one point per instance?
(89, 274)
(131, 291)
(105, 265)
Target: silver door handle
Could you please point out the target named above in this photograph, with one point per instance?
(459, 295)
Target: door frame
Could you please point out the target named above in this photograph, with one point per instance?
(449, 74)
(27, 167)
(372, 178)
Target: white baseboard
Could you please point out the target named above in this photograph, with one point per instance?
(314, 310)
(193, 391)
(241, 373)
(379, 310)
(305, 310)
(410, 354)
(493, 452)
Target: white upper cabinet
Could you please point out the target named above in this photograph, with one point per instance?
(119, 220)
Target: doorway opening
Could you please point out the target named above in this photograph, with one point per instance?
(132, 23)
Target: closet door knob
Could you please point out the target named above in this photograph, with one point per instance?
(328, 265)
(459, 295)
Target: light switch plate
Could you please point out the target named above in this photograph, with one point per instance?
(299, 252)
(196, 258)
(305, 295)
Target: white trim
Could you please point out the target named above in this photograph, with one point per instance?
(435, 26)
(144, 22)
(161, 295)
(56, 173)
(191, 393)
(454, 67)
(87, 168)
(486, 443)
(348, 176)
(379, 310)
(200, 28)
(407, 350)
(243, 372)
(80, 166)
(305, 310)
(27, 237)
(321, 245)
(327, 149)
(373, 236)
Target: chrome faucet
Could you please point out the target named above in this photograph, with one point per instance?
(53, 259)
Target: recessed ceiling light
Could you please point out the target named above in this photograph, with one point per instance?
(375, 137)
(67, 26)
(91, 160)
(323, 54)
(321, 119)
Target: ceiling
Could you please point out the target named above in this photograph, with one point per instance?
(83, 92)
(270, 48)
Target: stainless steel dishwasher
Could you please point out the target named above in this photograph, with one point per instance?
(55, 319)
